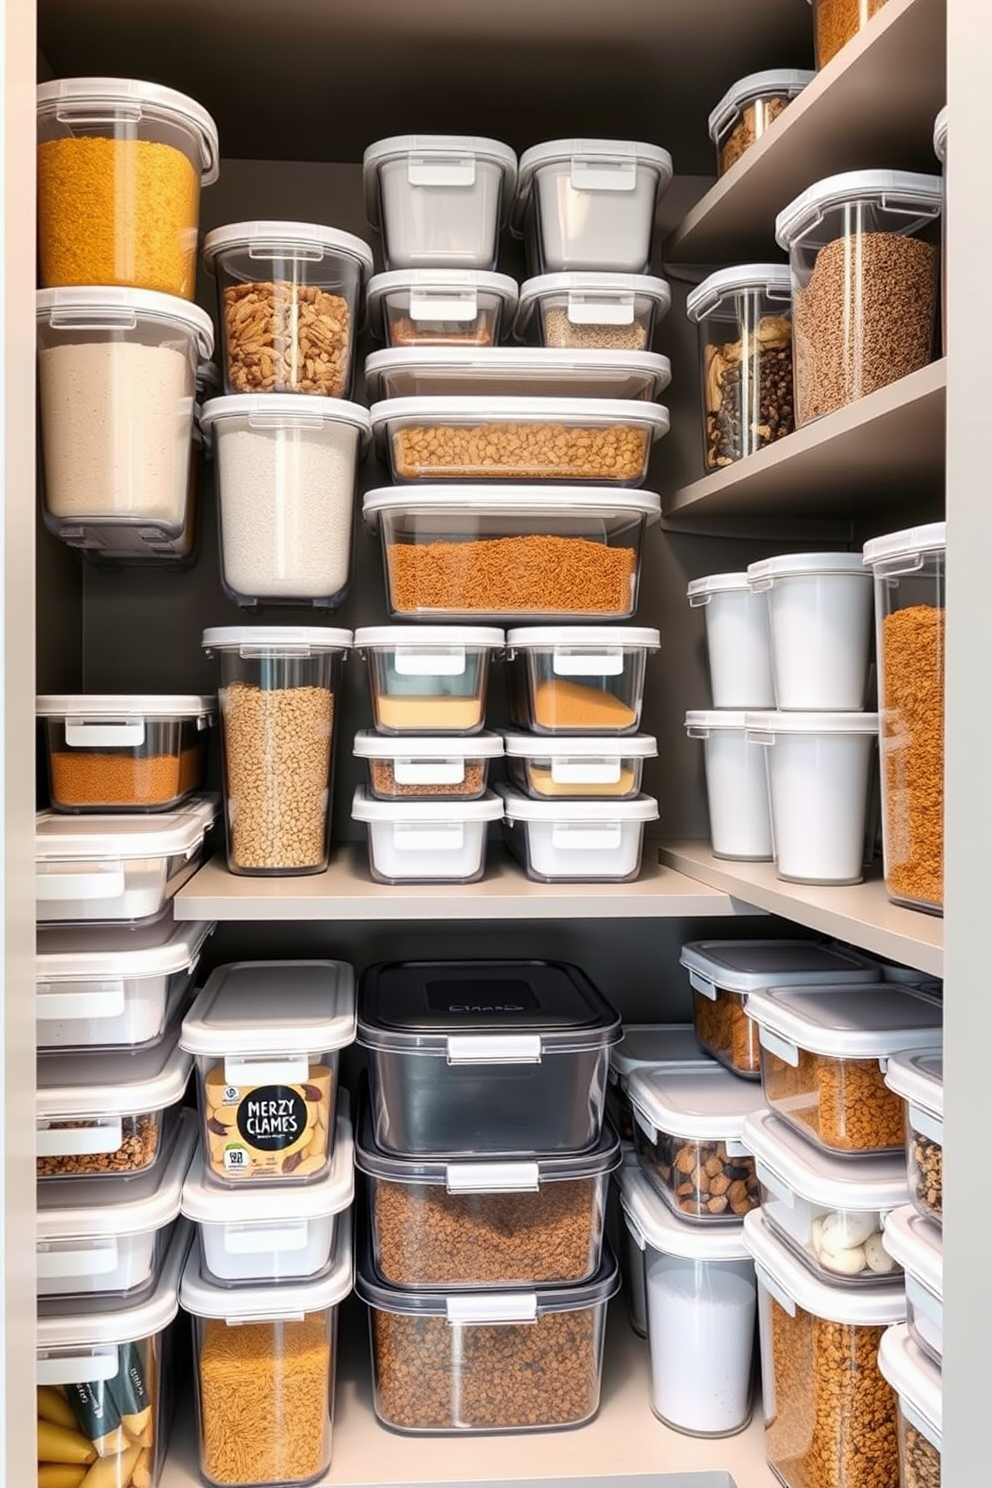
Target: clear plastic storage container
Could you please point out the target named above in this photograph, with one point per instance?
(426, 767)
(429, 680)
(575, 311)
(578, 767)
(910, 619)
(518, 371)
(279, 702)
(738, 640)
(823, 1056)
(736, 785)
(819, 611)
(916, 1245)
(918, 1079)
(646, 1046)
(863, 250)
(751, 107)
(688, 1125)
(837, 22)
(477, 1059)
(917, 1383)
(940, 150)
(516, 553)
(289, 302)
(441, 307)
(124, 752)
(266, 1036)
(579, 679)
(426, 841)
(576, 841)
(120, 166)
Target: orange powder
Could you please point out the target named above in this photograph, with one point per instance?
(453, 714)
(571, 705)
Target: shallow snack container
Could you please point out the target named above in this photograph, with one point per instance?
(466, 552)
(579, 679)
(578, 766)
(651, 1046)
(738, 642)
(576, 841)
(124, 752)
(265, 1355)
(915, 1244)
(823, 1056)
(441, 307)
(472, 1059)
(819, 611)
(266, 1036)
(426, 841)
(429, 680)
(520, 371)
(736, 785)
(750, 107)
(424, 766)
(576, 311)
(918, 1079)
(917, 1383)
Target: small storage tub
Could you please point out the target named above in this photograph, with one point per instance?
(738, 641)
(478, 1059)
(266, 1036)
(819, 609)
(441, 307)
(918, 1079)
(736, 785)
(823, 1056)
(750, 107)
(426, 767)
(426, 841)
(917, 1383)
(429, 680)
(915, 1244)
(576, 841)
(579, 679)
(603, 311)
(518, 371)
(578, 767)
(646, 1046)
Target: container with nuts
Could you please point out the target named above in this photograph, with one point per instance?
(581, 310)
(919, 1080)
(749, 108)
(266, 1037)
(917, 1383)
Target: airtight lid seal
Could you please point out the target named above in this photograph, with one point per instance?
(593, 298)
(388, 637)
(60, 838)
(269, 1301)
(919, 1079)
(124, 705)
(652, 1223)
(794, 1285)
(446, 161)
(576, 412)
(87, 952)
(699, 721)
(523, 371)
(582, 746)
(449, 295)
(871, 1021)
(275, 410)
(777, 82)
(723, 583)
(773, 280)
(940, 136)
(518, 807)
(916, 198)
(70, 98)
(428, 747)
(875, 1183)
(540, 500)
(265, 240)
(365, 808)
(627, 636)
(110, 1083)
(797, 565)
(896, 548)
(111, 307)
(274, 1008)
(916, 1244)
(811, 723)
(749, 965)
(595, 165)
(280, 640)
(915, 1379)
(704, 1103)
(656, 1045)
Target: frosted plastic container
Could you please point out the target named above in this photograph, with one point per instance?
(105, 869)
(108, 988)
(837, 22)
(863, 252)
(441, 307)
(590, 203)
(579, 679)
(738, 641)
(426, 767)
(723, 974)
(479, 1059)
(518, 371)
(819, 771)
(124, 752)
(284, 1333)
(940, 150)
(916, 1245)
(266, 1036)
(120, 166)
(518, 553)
(918, 1079)
(576, 841)
(749, 108)
(823, 1056)
(917, 1383)
(426, 841)
(688, 1125)
(819, 609)
(289, 305)
(576, 767)
(574, 311)
(910, 620)
(438, 199)
(701, 1314)
(646, 1046)
(736, 785)
(429, 680)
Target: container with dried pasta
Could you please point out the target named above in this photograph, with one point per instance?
(429, 681)
(749, 108)
(576, 841)
(425, 766)
(582, 310)
(578, 767)
(919, 1397)
(579, 679)
(441, 307)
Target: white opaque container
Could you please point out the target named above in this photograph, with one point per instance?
(646, 1046)
(441, 307)
(916, 1245)
(573, 311)
(438, 199)
(576, 841)
(701, 1312)
(738, 642)
(429, 680)
(518, 371)
(736, 785)
(426, 841)
(918, 1079)
(579, 679)
(820, 612)
(578, 766)
(425, 766)
(917, 1383)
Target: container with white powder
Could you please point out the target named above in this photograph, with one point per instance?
(286, 470)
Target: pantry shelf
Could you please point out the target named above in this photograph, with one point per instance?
(860, 914)
(873, 104)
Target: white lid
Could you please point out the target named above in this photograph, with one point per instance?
(915, 1379)
(124, 705)
(795, 565)
(656, 1044)
(273, 1007)
(112, 1082)
(916, 1244)
(716, 718)
(940, 135)
(107, 307)
(267, 410)
(494, 410)
(931, 538)
(78, 953)
(875, 1183)
(462, 286)
(584, 746)
(458, 746)
(812, 723)
(388, 637)
(793, 1284)
(518, 807)
(365, 808)
(628, 636)
(700, 1103)
(602, 286)
(871, 1021)
(538, 371)
(651, 1222)
(905, 192)
(424, 150)
(538, 500)
(722, 583)
(296, 640)
(919, 1079)
(269, 1301)
(62, 838)
(287, 236)
(749, 965)
(770, 279)
(65, 96)
(587, 152)
(777, 82)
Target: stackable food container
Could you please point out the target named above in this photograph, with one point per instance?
(474, 1059)
(124, 752)
(940, 150)
(836, 26)
(520, 371)
(918, 1079)
(437, 841)
(429, 681)
(738, 641)
(576, 841)
(919, 1396)
(749, 108)
(579, 679)
(266, 1036)
(736, 785)
(604, 311)
(819, 610)
(646, 1046)
(915, 1244)
(423, 766)
(441, 307)
(578, 766)
(824, 1052)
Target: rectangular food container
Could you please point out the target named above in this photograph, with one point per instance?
(426, 767)
(101, 870)
(736, 785)
(266, 1037)
(823, 1056)
(604, 440)
(124, 752)
(592, 311)
(584, 679)
(265, 1358)
(738, 641)
(115, 987)
(429, 681)
(918, 1079)
(652, 1046)
(576, 841)
(919, 1396)
(916, 1245)
(426, 841)
(723, 973)
(514, 554)
(751, 106)
(441, 307)
(578, 766)
(486, 1361)
(473, 1059)
(106, 1380)
(519, 371)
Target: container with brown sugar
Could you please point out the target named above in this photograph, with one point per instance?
(432, 681)
(423, 765)
(584, 679)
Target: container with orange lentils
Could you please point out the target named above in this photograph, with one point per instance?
(124, 752)
(579, 679)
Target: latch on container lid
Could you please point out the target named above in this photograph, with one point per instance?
(493, 1308)
(493, 1177)
(494, 1048)
(443, 304)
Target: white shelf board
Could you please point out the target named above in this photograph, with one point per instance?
(860, 914)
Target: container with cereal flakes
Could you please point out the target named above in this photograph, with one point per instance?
(916, 1246)
(429, 681)
(918, 1079)
(918, 1386)
(441, 307)
(584, 679)
(578, 766)
(423, 765)
(602, 311)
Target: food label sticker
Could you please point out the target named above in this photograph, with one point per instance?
(586, 838)
(438, 661)
(570, 661)
(585, 771)
(428, 772)
(589, 310)
(444, 837)
(427, 305)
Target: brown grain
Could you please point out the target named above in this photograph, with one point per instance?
(536, 574)
(284, 337)
(562, 332)
(845, 1103)
(699, 1179)
(384, 782)
(912, 742)
(754, 120)
(926, 1174)
(88, 778)
(478, 332)
(531, 451)
(920, 1459)
(138, 1150)
(723, 1027)
(837, 22)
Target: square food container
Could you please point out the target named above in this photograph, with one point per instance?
(101, 870)
(117, 987)
(823, 1056)
(486, 1361)
(263, 1356)
(916, 1244)
(578, 767)
(106, 1379)
(429, 681)
(584, 679)
(750, 107)
(652, 1046)
(478, 1059)
(266, 1036)
(918, 1079)
(576, 841)
(426, 841)
(917, 1383)
(426, 767)
(465, 552)
(126, 752)
(736, 785)
(519, 371)
(580, 311)
(441, 307)
(688, 1129)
